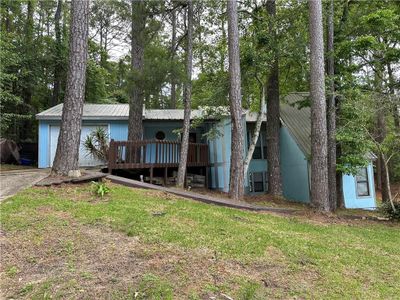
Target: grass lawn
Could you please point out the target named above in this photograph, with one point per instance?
(135, 244)
(9, 167)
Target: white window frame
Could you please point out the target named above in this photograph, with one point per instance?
(367, 181)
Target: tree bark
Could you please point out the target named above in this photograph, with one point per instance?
(29, 26)
(395, 105)
(58, 64)
(319, 149)
(256, 132)
(339, 182)
(381, 127)
(387, 182)
(67, 153)
(187, 94)
(135, 126)
(173, 45)
(222, 50)
(381, 124)
(273, 112)
(236, 187)
(331, 110)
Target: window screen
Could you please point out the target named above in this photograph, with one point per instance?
(362, 182)
(258, 182)
(260, 150)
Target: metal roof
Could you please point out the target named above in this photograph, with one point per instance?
(297, 120)
(117, 112)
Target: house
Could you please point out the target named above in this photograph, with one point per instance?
(161, 139)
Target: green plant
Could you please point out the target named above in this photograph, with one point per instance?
(387, 210)
(97, 145)
(100, 188)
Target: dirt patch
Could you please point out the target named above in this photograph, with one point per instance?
(70, 260)
(12, 182)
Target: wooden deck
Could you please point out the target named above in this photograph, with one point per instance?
(151, 154)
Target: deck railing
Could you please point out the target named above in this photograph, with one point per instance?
(154, 154)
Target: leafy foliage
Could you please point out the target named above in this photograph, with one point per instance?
(97, 145)
(100, 188)
(387, 210)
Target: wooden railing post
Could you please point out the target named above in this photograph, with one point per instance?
(111, 155)
(133, 154)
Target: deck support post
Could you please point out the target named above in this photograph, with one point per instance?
(111, 157)
(207, 171)
(165, 176)
(151, 175)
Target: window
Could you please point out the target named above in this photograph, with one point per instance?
(362, 183)
(160, 135)
(260, 151)
(257, 150)
(258, 182)
(192, 137)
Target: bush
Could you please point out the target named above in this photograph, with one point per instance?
(387, 210)
(96, 144)
(100, 188)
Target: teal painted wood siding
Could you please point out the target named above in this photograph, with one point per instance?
(220, 154)
(294, 168)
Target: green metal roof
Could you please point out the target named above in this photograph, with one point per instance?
(297, 120)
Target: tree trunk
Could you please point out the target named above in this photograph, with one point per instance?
(28, 86)
(395, 105)
(339, 182)
(222, 50)
(58, 64)
(67, 153)
(387, 181)
(135, 126)
(378, 174)
(236, 187)
(187, 94)
(256, 132)
(331, 110)
(173, 45)
(381, 124)
(381, 127)
(273, 112)
(319, 149)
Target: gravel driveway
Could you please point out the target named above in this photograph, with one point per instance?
(11, 182)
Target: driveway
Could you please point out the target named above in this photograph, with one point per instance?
(11, 182)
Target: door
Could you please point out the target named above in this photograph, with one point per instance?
(85, 159)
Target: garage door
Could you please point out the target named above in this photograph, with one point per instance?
(85, 159)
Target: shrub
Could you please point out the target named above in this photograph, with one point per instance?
(100, 188)
(96, 144)
(387, 210)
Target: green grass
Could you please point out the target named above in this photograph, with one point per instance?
(9, 167)
(339, 261)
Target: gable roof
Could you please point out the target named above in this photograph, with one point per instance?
(298, 121)
(117, 112)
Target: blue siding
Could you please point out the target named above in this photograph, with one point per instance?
(119, 130)
(220, 153)
(43, 145)
(351, 200)
(256, 165)
(294, 168)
